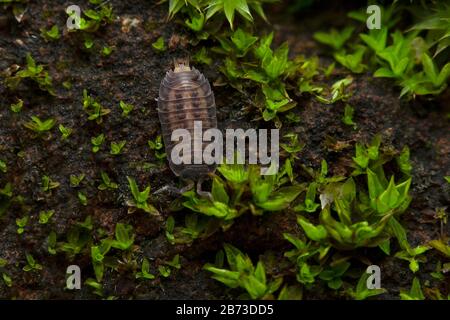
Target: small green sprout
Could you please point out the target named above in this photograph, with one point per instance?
(196, 22)
(88, 42)
(51, 243)
(315, 233)
(175, 262)
(309, 204)
(352, 61)
(98, 254)
(21, 224)
(216, 209)
(306, 272)
(332, 275)
(165, 271)
(376, 39)
(385, 197)
(17, 107)
(320, 179)
(48, 184)
(124, 237)
(126, 108)
(116, 147)
(7, 190)
(338, 91)
(243, 274)
(75, 180)
(291, 117)
(158, 146)
(145, 271)
(106, 51)
(195, 227)
(98, 287)
(52, 34)
(33, 72)
(309, 69)
(77, 238)
(65, 132)
(293, 292)
(365, 153)
(201, 56)
(44, 216)
(412, 255)
(106, 182)
(31, 264)
(93, 108)
(335, 39)
(3, 166)
(86, 224)
(159, 44)
(430, 81)
(7, 279)
(170, 227)
(40, 126)
(287, 170)
(347, 119)
(82, 197)
(404, 162)
(293, 146)
(97, 142)
(140, 199)
(398, 57)
(439, 272)
(361, 291)
(275, 64)
(329, 70)
(243, 41)
(415, 293)
(441, 246)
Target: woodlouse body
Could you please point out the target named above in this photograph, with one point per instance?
(185, 96)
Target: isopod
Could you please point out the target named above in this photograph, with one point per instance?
(185, 96)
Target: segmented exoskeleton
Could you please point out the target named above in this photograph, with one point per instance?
(185, 96)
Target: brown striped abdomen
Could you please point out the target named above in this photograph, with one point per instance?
(185, 96)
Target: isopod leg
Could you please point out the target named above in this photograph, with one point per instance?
(202, 193)
(188, 187)
(175, 191)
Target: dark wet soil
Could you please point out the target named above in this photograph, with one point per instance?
(132, 73)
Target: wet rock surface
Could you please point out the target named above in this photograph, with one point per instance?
(132, 73)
